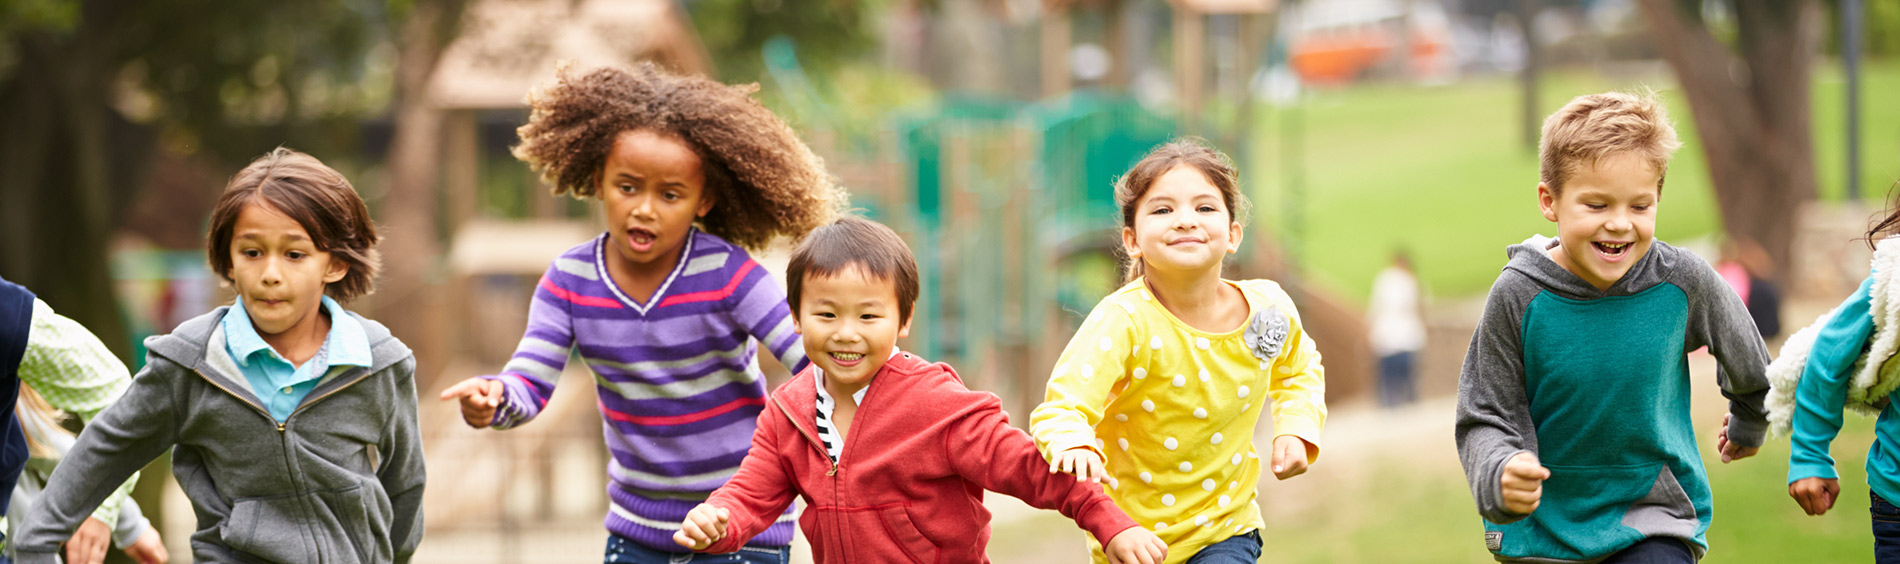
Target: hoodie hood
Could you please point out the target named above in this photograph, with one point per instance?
(190, 346)
(1530, 258)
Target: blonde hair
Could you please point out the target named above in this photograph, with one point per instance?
(1595, 126)
(34, 406)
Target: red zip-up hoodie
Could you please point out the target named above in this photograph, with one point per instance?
(908, 485)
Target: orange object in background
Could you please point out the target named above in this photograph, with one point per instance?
(1339, 57)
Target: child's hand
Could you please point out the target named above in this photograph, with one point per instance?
(704, 525)
(479, 399)
(1136, 545)
(149, 549)
(1081, 462)
(1289, 456)
(1732, 452)
(89, 543)
(1523, 482)
(1816, 495)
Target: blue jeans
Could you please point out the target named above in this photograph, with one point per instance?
(1886, 530)
(1395, 379)
(621, 550)
(1654, 550)
(1237, 549)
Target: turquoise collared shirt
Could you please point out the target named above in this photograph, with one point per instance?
(279, 384)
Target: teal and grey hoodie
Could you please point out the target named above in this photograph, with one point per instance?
(1595, 383)
(338, 481)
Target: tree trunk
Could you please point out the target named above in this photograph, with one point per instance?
(64, 180)
(410, 298)
(1752, 111)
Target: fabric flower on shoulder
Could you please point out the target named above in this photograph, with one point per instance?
(1266, 333)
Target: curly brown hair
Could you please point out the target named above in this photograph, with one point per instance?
(765, 181)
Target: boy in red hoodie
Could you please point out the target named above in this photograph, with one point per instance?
(891, 453)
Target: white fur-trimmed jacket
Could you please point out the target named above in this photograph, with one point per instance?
(1875, 373)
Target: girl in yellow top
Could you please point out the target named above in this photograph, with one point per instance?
(1159, 392)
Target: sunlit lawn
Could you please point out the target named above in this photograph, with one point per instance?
(1443, 172)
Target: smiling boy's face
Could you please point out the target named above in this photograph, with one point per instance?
(850, 322)
(1606, 217)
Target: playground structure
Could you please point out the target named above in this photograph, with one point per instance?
(1010, 209)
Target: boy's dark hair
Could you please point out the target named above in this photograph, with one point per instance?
(878, 252)
(765, 182)
(1192, 152)
(318, 198)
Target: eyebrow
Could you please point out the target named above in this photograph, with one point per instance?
(293, 237)
(662, 183)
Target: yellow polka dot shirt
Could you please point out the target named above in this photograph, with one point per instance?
(1172, 409)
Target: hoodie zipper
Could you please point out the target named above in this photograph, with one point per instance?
(813, 441)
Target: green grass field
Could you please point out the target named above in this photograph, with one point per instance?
(1443, 172)
(1404, 515)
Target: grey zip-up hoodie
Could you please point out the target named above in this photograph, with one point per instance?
(339, 481)
(1596, 384)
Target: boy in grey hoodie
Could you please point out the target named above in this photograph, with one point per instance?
(292, 422)
(1573, 406)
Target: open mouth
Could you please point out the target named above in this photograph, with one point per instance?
(641, 239)
(1611, 251)
(847, 358)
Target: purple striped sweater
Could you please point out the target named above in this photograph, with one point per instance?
(680, 388)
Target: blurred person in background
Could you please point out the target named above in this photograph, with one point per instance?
(1396, 323)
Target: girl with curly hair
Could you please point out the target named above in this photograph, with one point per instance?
(666, 306)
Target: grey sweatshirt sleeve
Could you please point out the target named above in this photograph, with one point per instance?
(1719, 320)
(402, 473)
(121, 440)
(131, 526)
(1494, 419)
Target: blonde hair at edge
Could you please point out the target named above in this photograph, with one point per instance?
(1595, 126)
(35, 407)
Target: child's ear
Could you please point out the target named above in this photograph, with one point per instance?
(904, 331)
(1233, 237)
(338, 269)
(1547, 201)
(796, 330)
(1128, 243)
(705, 206)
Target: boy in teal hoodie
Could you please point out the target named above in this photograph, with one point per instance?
(1573, 406)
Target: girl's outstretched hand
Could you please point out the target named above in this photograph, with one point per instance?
(1289, 456)
(1135, 545)
(1816, 495)
(1080, 461)
(479, 399)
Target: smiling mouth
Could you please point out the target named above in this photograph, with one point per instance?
(1611, 250)
(1187, 241)
(847, 358)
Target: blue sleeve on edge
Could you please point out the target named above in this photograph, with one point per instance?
(1823, 388)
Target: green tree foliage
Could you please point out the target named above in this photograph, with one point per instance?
(88, 89)
(828, 33)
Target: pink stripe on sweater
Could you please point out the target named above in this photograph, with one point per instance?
(713, 295)
(680, 419)
(578, 299)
